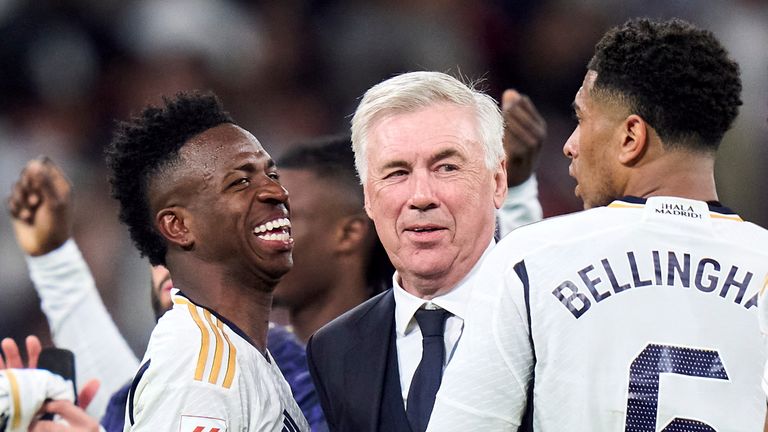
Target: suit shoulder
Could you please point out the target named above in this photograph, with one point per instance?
(348, 324)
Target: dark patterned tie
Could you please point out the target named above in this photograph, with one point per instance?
(426, 379)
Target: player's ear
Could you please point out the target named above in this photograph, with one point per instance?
(351, 232)
(172, 224)
(367, 202)
(634, 144)
(500, 186)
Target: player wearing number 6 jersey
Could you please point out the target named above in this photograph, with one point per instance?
(640, 313)
(652, 321)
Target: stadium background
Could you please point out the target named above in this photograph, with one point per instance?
(290, 70)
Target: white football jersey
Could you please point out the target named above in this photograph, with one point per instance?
(763, 314)
(201, 374)
(638, 316)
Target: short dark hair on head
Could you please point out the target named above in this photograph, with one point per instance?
(677, 77)
(330, 157)
(144, 146)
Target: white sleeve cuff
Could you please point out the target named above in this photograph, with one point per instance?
(521, 206)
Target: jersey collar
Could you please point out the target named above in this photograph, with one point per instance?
(714, 206)
(229, 324)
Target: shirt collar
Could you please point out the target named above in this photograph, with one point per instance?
(454, 301)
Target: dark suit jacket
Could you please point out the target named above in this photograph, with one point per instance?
(348, 360)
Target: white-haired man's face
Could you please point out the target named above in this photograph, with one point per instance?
(430, 194)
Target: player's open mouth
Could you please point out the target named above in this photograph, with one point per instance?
(275, 230)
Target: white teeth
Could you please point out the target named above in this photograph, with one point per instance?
(274, 225)
(275, 237)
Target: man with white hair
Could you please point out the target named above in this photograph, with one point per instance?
(429, 152)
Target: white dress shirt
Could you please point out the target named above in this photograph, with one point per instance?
(408, 333)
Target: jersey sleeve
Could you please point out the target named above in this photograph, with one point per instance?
(23, 392)
(521, 207)
(486, 384)
(762, 306)
(80, 322)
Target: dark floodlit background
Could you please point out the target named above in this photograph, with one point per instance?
(291, 70)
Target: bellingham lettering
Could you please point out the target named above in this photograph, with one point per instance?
(597, 282)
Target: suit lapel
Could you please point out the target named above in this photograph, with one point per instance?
(366, 361)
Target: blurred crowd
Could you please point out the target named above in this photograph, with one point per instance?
(292, 70)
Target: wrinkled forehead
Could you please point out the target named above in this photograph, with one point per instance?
(434, 123)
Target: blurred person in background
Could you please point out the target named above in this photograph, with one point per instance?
(338, 259)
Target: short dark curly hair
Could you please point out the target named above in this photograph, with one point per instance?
(329, 157)
(677, 77)
(145, 146)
